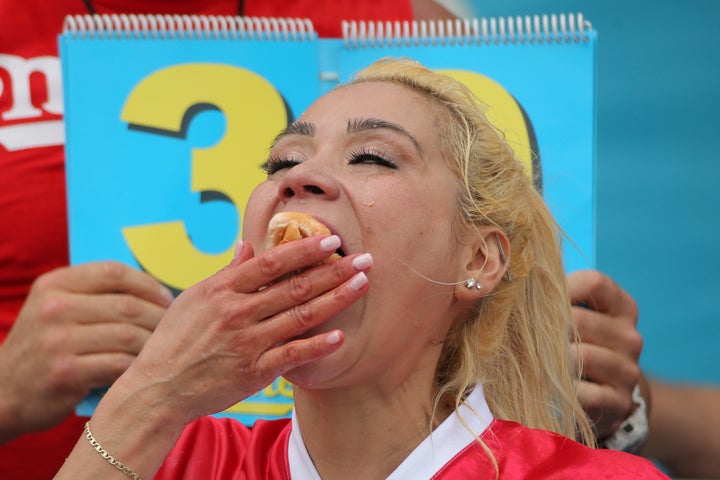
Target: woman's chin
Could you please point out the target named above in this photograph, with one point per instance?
(327, 372)
(318, 374)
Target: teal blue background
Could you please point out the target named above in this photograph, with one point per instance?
(657, 168)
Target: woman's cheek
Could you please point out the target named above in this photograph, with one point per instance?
(258, 212)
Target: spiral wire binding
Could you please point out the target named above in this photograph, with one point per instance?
(206, 27)
(540, 29)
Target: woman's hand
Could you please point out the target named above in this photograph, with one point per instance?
(232, 334)
(220, 342)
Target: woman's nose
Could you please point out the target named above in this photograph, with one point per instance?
(303, 182)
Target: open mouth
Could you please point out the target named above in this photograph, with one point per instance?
(288, 226)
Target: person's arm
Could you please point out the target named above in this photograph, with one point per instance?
(609, 346)
(220, 341)
(80, 328)
(685, 429)
(684, 421)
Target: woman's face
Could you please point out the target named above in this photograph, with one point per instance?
(367, 160)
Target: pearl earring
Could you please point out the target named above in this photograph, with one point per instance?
(471, 283)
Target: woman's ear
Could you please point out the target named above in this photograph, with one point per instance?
(487, 265)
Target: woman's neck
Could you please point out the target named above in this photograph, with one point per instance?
(364, 435)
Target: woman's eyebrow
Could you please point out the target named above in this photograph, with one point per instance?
(356, 125)
(296, 128)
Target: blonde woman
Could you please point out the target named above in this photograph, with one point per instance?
(436, 346)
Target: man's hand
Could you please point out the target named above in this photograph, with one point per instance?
(79, 329)
(609, 346)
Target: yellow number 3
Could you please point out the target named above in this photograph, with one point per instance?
(254, 112)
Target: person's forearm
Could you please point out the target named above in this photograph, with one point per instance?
(685, 429)
(135, 427)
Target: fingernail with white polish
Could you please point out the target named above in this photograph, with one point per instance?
(167, 293)
(330, 244)
(362, 262)
(238, 249)
(333, 338)
(357, 282)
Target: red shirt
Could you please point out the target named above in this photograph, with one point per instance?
(33, 223)
(213, 448)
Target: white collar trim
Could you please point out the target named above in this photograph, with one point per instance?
(445, 442)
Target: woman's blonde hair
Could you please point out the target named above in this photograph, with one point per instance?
(516, 343)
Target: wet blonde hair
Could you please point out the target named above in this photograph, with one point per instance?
(516, 343)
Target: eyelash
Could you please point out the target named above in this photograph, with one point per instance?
(275, 164)
(360, 156)
(363, 154)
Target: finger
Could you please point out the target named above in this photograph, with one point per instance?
(608, 367)
(78, 374)
(595, 397)
(243, 252)
(113, 337)
(98, 370)
(119, 307)
(301, 318)
(264, 269)
(108, 277)
(308, 284)
(606, 331)
(299, 352)
(605, 406)
(599, 292)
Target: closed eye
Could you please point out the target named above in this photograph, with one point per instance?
(275, 164)
(370, 156)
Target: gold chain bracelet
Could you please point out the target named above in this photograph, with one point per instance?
(104, 453)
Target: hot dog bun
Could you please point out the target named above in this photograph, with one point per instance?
(288, 226)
